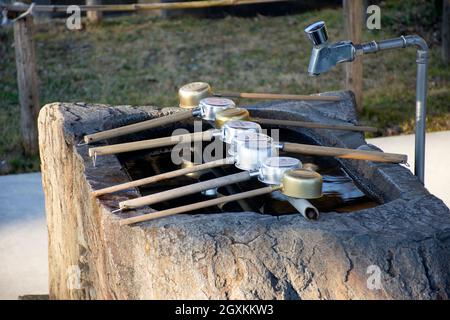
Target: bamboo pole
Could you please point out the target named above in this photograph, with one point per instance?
(164, 176)
(344, 153)
(137, 6)
(199, 205)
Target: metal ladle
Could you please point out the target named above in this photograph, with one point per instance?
(254, 141)
(268, 170)
(210, 134)
(255, 153)
(252, 150)
(297, 184)
(196, 99)
(227, 134)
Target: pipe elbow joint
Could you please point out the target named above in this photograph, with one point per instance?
(417, 41)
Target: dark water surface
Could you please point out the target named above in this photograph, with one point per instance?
(340, 193)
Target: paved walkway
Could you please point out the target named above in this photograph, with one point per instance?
(23, 232)
(23, 236)
(437, 159)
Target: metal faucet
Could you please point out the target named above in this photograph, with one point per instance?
(324, 56)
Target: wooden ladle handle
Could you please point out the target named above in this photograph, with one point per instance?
(136, 127)
(314, 125)
(185, 190)
(152, 143)
(164, 176)
(199, 205)
(345, 153)
(276, 96)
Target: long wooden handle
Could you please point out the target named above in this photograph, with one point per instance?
(152, 143)
(164, 176)
(185, 190)
(276, 96)
(314, 125)
(345, 153)
(199, 205)
(136, 127)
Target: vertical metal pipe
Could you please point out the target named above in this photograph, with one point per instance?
(421, 90)
(323, 62)
(421, 109)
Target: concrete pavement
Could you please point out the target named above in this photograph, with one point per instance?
(437, 159)
(23, 236)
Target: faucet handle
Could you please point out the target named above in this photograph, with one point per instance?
(317, 33)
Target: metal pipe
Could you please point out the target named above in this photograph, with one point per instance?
(421, 112)
(304, 207)
(324, 56)
(421, 89)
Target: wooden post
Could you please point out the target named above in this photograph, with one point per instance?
(94, 16)
(354, 15)
(150, 12)
(446, 32)
(27, 82)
